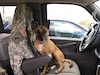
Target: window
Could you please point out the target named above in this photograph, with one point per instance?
(98, 3)
(7, 13)
(61, 28)
(67, 20)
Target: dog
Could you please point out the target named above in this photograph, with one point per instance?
(44, 45)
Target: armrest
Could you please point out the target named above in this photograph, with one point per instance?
(30, 65)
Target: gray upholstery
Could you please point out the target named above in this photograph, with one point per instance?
(4, 40)
(67, 71)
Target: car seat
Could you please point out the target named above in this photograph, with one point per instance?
(24, 60)
(26, 64)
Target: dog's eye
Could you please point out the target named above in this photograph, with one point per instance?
(44, 31)
(37, 31)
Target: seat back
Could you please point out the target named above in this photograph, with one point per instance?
(4, 55)
(21, 33)
(4, 40)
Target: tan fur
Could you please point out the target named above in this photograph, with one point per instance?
(49, 47)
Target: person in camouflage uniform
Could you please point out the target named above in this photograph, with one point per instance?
(18, 44)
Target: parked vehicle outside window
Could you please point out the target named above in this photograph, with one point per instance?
(61, 28)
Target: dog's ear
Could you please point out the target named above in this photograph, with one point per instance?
(34, 24)
(47, 24)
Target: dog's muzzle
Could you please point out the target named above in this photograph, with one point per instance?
(42, 38)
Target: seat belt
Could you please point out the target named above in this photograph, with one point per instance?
(30, 42)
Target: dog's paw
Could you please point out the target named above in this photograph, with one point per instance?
(56, 72)
(71, 65)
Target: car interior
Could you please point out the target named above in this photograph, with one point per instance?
(17, 53)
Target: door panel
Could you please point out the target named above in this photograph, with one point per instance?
(86, 60)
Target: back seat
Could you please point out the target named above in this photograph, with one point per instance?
(4, 56)
(4, 41)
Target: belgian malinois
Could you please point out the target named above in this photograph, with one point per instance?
(44, 45)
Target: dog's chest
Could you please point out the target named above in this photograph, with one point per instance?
(40, 49)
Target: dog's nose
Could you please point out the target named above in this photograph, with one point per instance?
(41, 37)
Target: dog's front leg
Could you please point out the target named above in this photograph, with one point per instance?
(44, 70)
(60, 62)
(61, 66)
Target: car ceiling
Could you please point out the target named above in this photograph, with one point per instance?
(81, 2)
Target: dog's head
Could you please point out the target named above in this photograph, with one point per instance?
(41, 31)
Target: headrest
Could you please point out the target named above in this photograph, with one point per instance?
(22, 22)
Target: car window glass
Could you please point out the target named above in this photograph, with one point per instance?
(60, 28)
(7, 13)
(76, 18)
(98, 3)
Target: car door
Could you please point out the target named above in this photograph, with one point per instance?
(68, 38)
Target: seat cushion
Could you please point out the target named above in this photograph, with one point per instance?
(67, 70)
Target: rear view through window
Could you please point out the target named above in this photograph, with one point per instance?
(7, 13)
